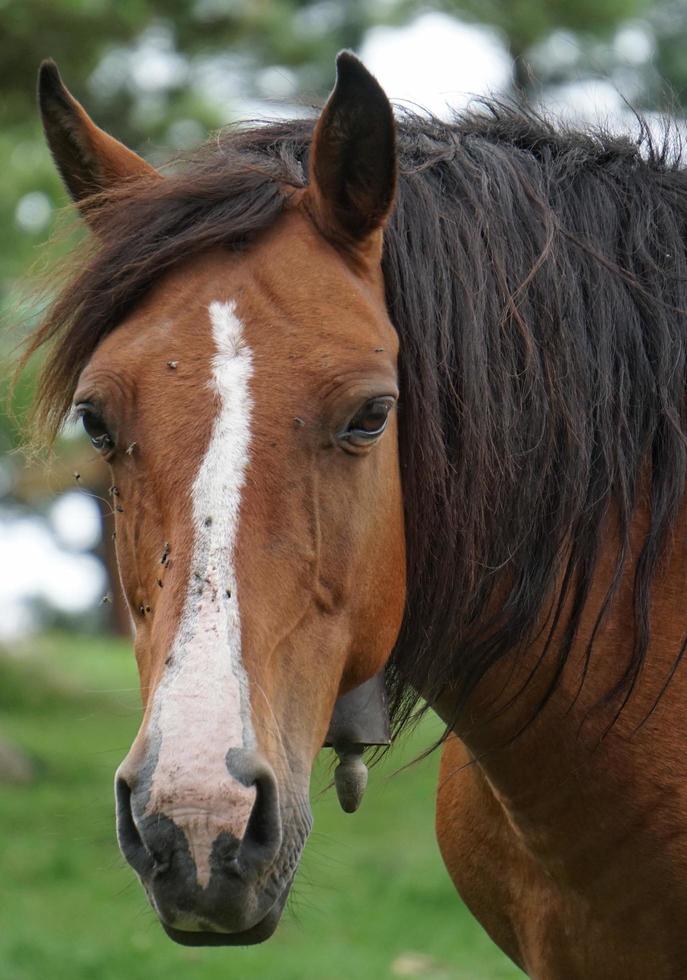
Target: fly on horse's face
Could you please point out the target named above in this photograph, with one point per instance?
(247, 409)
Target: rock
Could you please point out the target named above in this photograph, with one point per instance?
(418, 965)
(15, 765)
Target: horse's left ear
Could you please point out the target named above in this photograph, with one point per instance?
(88, 159)
(353, 157)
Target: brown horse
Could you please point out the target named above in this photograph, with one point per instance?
(503, 533)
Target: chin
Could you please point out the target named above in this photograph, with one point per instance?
(257, 933)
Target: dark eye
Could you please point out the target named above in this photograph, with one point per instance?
(369, 423)
(96, 430)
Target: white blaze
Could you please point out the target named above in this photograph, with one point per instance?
(201, 707)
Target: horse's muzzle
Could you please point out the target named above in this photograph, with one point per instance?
(207, 885)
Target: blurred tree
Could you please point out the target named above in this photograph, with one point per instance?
(670, 24)
(527, 23)
(637, 44)
(174, 34)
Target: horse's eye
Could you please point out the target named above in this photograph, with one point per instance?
(369, 423)
(96, 430)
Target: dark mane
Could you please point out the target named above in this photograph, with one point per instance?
(537, 278)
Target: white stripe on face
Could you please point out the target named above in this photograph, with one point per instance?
(201, 707)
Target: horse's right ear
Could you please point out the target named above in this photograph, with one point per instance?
(353, 157)
(87, 158)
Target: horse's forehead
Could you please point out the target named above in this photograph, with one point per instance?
(292, 293)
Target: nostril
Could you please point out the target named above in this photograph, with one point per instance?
(263, 835)
(264, 823)
(130, 842)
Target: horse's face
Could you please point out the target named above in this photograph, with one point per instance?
(247, 410)
(259, 536)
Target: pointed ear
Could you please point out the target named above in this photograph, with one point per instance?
(87, 158)
(353, 156)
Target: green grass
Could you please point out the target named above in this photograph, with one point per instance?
(371, 890)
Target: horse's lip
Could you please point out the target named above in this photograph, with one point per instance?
(257, 933)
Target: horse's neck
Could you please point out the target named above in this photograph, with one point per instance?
(575, 791)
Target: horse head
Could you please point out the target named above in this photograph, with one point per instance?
(246, 404)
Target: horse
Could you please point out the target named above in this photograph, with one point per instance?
(395, 405)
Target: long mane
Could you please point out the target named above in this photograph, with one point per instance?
(537, 278)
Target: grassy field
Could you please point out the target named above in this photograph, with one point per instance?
(372, 899)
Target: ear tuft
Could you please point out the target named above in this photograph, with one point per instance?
(353, 157)
(89, 161)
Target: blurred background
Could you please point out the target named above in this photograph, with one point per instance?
(372, 900)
